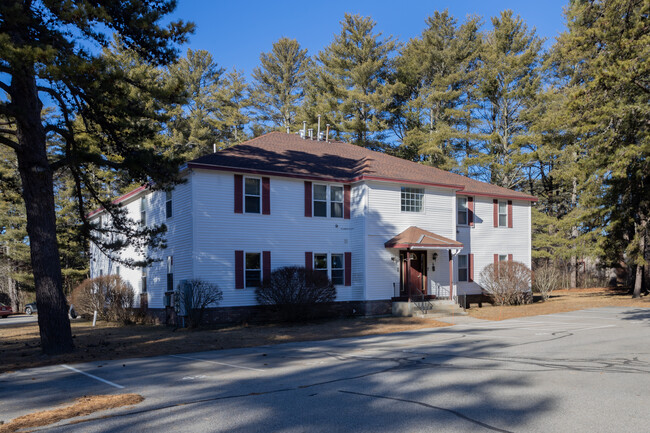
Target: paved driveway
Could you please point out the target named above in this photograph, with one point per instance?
(18, 319)
(582, 371)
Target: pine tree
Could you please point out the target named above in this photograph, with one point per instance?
(433, 105)
(278, 83)
(232, 107)
(42, 56)
(350, 84)
(606, 52)
(192, 128)
(508, 82)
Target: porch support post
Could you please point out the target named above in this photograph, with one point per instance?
(451, 276)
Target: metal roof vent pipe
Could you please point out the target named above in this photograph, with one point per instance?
(318, 136)
(327, 134)
(311, 133)
(288, 130)
(304, 129)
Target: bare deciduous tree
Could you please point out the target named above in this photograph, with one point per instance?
(194, 296)
(508, 283)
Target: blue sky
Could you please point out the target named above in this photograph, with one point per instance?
(236, 32)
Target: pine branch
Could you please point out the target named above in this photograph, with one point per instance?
(9, 143)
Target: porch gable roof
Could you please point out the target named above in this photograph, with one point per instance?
(415, 237)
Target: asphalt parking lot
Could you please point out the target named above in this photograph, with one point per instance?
(582, 371)
(18, 319)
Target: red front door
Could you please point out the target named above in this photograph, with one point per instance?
(413, 270)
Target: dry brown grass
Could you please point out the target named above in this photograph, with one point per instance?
(82, 406)
(562, 301)
(20, 347)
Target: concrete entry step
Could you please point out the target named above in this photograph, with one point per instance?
(437, 308)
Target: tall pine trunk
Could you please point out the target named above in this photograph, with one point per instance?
(38, 194)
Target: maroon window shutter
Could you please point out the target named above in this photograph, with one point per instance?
(307, 199)
(348, 269)
(509, 257)
(510, 213)
(346, 202)
(495, 212)
(239, 183)
(266, 196)
(496, 263)
(470, 211)
(266, 264)
(471, 268)
(309, 263)
(239, 269)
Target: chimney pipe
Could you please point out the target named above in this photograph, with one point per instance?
(327, 134)
(318, 133)
(214, 147)
(304, 129)
(311, 133)
(288, 130)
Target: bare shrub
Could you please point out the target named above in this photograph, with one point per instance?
(507, 283)
(193, 297)
(546, 279)
(109, 295)
(292, 288)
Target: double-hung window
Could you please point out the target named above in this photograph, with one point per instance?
(503, 213)
(143, 280)
(168, 204)
(320, 200)
(170, 273)
(334, 268)
(324, 194)
(462, 267)
(503, 257)
(320, 264)
(412, 199)
(461, 204)
(253, 271)
(336, 201)
(143, 212)
(337, 269)
(252, 195)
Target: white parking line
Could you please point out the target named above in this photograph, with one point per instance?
(92, 376)
(216, 362)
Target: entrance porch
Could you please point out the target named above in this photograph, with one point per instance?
(423, 279)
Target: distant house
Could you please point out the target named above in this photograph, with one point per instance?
(382, 228)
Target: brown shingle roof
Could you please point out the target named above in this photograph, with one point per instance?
(417, 237)
(289, 155)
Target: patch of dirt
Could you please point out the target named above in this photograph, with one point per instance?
(562, 301)
(20, 344)
(82, 406)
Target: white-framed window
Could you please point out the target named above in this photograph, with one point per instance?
(462, 267)
(168, 204)
(334, 268)
(170, 273)
(336, 201)
(143, 280)
(503, 213)
(320, 264)
(412, 199)
(252, 195)
(337, 270)
(322, 195)
(320, 200)
(461, 207)
(143, 212)
(503, 257)
(253, 269)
